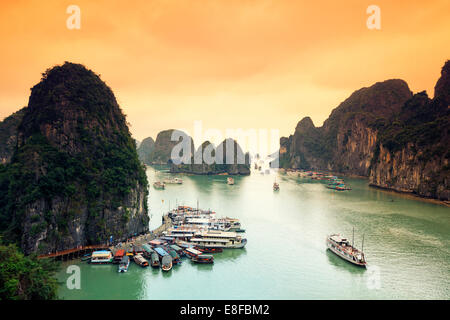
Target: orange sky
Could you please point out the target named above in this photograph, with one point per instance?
(232, 64)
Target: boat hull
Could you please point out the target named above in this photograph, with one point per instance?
(342, 256)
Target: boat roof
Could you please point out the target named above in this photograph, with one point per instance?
(175, 247)
(194, 251)
(209, 240)
(156, 242)
(125, 259)
(206, 256)
(337, 238)
(161, 251)
(120, 252)
(214, 233)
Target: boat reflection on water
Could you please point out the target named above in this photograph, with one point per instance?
(342, 264)
(230, 254)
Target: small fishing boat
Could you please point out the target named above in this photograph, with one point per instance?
(101, 257)
(175, 258)
(203, 258)
(118, 256)
(191, 252)
(173, 181)
(343, 249)
(140, 260)
(147, 250)
(138, 250)
(166, 263)
(230, 181)
(159, 185)
(86, 257)
(209, 250)
(276, 186)
(178, 249)
(124, 263)
(154, 260)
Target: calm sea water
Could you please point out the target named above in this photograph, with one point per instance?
(407, 245)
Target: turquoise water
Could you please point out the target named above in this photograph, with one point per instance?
(406, 244)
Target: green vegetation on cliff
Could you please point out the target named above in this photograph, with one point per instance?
(74, 167)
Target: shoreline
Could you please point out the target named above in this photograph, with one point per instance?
(406, 194)
(411, 195)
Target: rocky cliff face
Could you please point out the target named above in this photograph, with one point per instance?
(413, 152)
(145, 149)
(75, 177)
(8, 135)
(162, 149)
(346, 141)
(398, 140)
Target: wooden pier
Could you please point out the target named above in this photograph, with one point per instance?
(80, 251)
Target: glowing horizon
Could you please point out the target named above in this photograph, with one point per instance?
(231, 64)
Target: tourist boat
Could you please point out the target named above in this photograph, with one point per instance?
(203, 258)
(101, 257)
(191, 252)
(166, 263)
(235, 224)
(140, 260)
(154, 260)
(118, 256)
(174, 255)
(86, 257)
(161, 252)
(178, 249)
(147, 250)
(173, 181)
(159, 185)
(156, 242)
(124, 263)
(137, 250)
(209, 249)
(276, 186)
(230, 181)
(207, 223)
(342, 248)
(218, 239)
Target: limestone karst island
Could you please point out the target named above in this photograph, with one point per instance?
(191, 154)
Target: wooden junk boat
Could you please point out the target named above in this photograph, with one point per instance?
(342, 248)
(203, 258)
(140, 260)
(166, 263)
(154, 260)
(118, 256)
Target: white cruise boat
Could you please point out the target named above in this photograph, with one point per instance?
(342, 248)
(218, 239)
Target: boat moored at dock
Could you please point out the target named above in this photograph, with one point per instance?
(154, 260)
(191, 252)
(140, 260)
(218, 239)
(118, 256)
(203, 258)
(166, 263)
(124, 264)
(101, 257)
